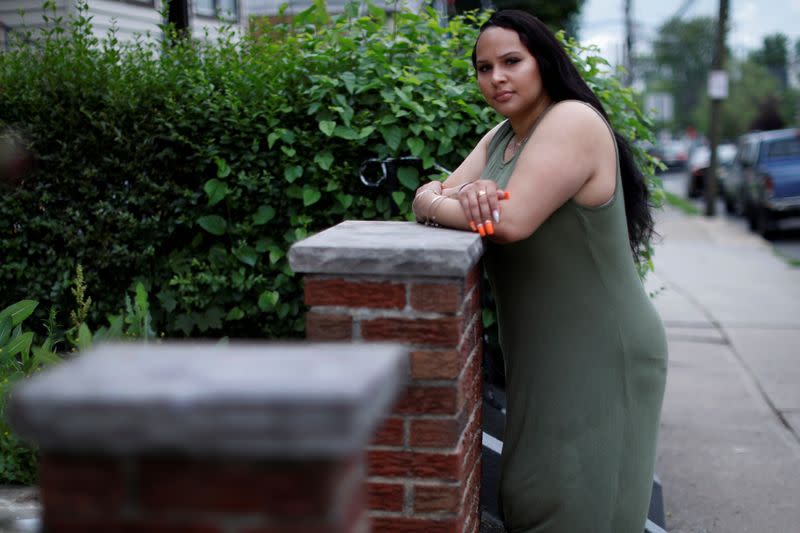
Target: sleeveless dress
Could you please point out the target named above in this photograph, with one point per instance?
(586, 361)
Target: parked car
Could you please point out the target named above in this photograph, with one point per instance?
(699, 163)
(764, 183)
(673, 153)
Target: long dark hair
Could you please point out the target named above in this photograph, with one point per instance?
(562, 81)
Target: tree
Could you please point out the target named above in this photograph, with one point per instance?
(557, 15)
(774, 56)
(754, 101)
(682, 54)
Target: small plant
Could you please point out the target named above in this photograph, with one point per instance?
(19, 359)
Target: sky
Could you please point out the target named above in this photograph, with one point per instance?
(602, 22)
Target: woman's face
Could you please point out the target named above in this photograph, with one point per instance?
(508, 75)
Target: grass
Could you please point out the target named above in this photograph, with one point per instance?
(791, 261)
(682, 203)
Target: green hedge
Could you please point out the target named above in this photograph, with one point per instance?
(192, 167)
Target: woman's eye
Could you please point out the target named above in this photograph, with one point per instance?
(484, 68)
(512, 60)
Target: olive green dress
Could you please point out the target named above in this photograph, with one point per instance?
(586, 362)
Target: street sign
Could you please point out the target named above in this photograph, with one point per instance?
(718, 85)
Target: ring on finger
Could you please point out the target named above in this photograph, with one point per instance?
(482, 193)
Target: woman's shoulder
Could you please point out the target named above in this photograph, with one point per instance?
(575, 120)
(575, 112)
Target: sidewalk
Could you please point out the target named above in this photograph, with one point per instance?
(729, 453)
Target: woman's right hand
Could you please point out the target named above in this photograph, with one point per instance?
(480, 201)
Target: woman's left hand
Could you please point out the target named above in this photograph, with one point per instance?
(480, 202)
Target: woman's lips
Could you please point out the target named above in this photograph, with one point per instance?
(503, 96)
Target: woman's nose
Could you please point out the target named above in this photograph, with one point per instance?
(498, 76)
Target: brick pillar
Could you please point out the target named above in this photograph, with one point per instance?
(205, 439)
(402, 282)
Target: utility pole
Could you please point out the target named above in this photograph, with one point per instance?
(628, 52)
(717, 91)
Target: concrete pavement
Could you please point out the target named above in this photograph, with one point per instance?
(729, 452)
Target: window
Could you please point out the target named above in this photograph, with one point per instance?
(227, 9)
(783, 148)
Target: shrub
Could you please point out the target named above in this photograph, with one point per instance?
(191, 167)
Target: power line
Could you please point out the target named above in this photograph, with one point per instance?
(683, 9)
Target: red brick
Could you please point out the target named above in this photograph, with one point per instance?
(81, 486)
(445, 465)
(67, 525)
(433, 332)
(285, 488)
(328, 327)
(473, 277)
(473, 303)
(372, 294)
(385, 496)
(352, 520)
(391, 432)
(388, 463)
(437, 297)
(399, 524)
(471, 381)
(428, 400)
(437, 433)
(471, 336)
(429, 364)
(437, 498)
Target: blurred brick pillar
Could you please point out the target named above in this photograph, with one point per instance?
(402, 282)
(206, 439)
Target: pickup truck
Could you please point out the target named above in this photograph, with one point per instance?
(768, 167)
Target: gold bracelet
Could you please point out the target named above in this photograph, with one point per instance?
(414, 203)
(432, 209)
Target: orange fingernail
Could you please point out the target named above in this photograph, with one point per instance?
(481, 230)
(473, 226)
(489, 227)
(506, 195)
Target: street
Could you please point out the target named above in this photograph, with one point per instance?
(786, 242)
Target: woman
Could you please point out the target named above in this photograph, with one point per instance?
(584, 348)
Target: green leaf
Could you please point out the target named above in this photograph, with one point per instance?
(327, 127)
(247, 255)
(349, 80)
(275, 254)
(42, 357)
(84, 338)
(416, 145)
(223, 170)
(487, 316)
(392, 135)
(5, 329)
(268, 299)
(264, 214)
(19, 311)
(324, 159)
(234, 314)
(292, 173)
(347, 133)
(20, 345)
(214, 224)
(408, 177)
(310, 195)
(345, 199)
(398, 197)
(141, 297)
(272, 137)
(216, 191)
